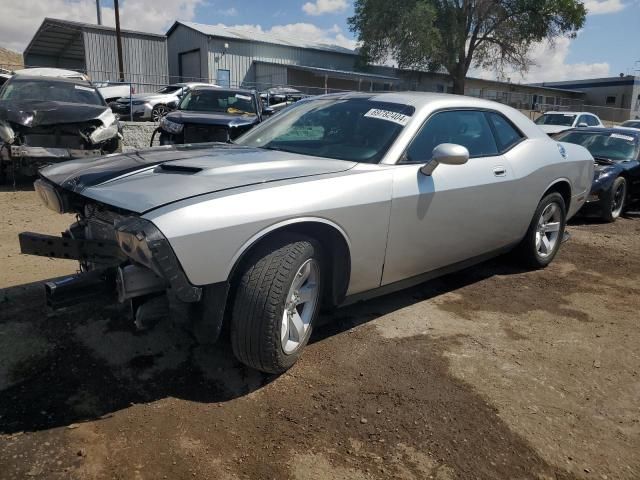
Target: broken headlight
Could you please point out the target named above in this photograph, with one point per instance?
(171, 127)
(143, 243)
(7, 135)
(50, 196)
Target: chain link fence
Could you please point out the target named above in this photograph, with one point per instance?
(532, 105)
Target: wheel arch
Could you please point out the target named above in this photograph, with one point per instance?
(563, 187)
(333, 240)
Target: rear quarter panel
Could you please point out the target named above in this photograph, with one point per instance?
(538, 164)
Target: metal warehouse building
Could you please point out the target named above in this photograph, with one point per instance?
(235, 57)
(240, 58)
(92, 49)
(613, 98)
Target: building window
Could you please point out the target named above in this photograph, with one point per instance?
(611, 100)
(440, 88)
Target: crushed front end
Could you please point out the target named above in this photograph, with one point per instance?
(120, 254)
(30, 139)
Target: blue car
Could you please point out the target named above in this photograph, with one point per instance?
(616, 180)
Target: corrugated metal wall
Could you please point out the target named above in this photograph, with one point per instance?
(145, 58)
(266, 75)
(184, 39)
(238, 58)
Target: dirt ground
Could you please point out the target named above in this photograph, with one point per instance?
(493, 372)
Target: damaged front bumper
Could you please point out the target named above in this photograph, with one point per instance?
(24, 151)
(141, 262)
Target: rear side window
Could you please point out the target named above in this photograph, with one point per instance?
(506, 134)
(468, 128)
(592, 121)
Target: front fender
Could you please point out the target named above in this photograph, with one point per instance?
(209, 234)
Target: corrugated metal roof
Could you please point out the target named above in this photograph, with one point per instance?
(256, 36)
(80, 25)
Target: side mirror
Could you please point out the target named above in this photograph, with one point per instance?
(447, 154)
(172, 105)
(267, 111)
(582, 125)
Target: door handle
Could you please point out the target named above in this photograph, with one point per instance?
(499, 171)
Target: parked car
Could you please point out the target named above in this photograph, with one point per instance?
(631, 124)
(277, 98)
(47, 120)
(210, 114)
(556, 122)
(153, 106)
(112, 91)
(616, 179)
(336, 199)
(109, 91)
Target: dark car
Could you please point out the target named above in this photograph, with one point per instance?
(278, 98)
(46, 120)
(210, 114)
(616, 180)
(631, 124)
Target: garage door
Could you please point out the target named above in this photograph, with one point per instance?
(190, 66)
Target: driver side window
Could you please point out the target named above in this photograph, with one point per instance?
(468, 128)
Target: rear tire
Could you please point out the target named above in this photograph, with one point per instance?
(276, 302)
(614, 201)
(544, 236)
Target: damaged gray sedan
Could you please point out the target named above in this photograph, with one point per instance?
(48, 120)
(337, 199)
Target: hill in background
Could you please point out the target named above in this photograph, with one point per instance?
(10, 59)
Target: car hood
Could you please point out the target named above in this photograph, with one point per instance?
(36, 113)
(204, 118)
(148, 179)
(549, 129)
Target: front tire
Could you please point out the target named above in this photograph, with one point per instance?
(276, 302)
(613, 204)
(544, 236)
(158, 112)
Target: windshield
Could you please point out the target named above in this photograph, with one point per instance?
(631, 124)
(50, 90)
(355, 129)
(613, 146)
(223, 101)
(564, 119)
(169, 89)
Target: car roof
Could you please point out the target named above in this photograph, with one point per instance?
(50, 72)
(194, 84)
(217, 87)
(42, 78)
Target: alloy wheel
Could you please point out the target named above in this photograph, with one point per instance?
(548, 231)
(300, 306)
(617, 202)
(158, 112)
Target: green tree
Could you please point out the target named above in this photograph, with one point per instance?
(456, 34)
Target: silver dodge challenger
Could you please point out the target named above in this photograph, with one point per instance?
(336, 199)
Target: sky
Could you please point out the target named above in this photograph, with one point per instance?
(607, 45)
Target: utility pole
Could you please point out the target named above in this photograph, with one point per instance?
(98, 12)
(119, 41)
